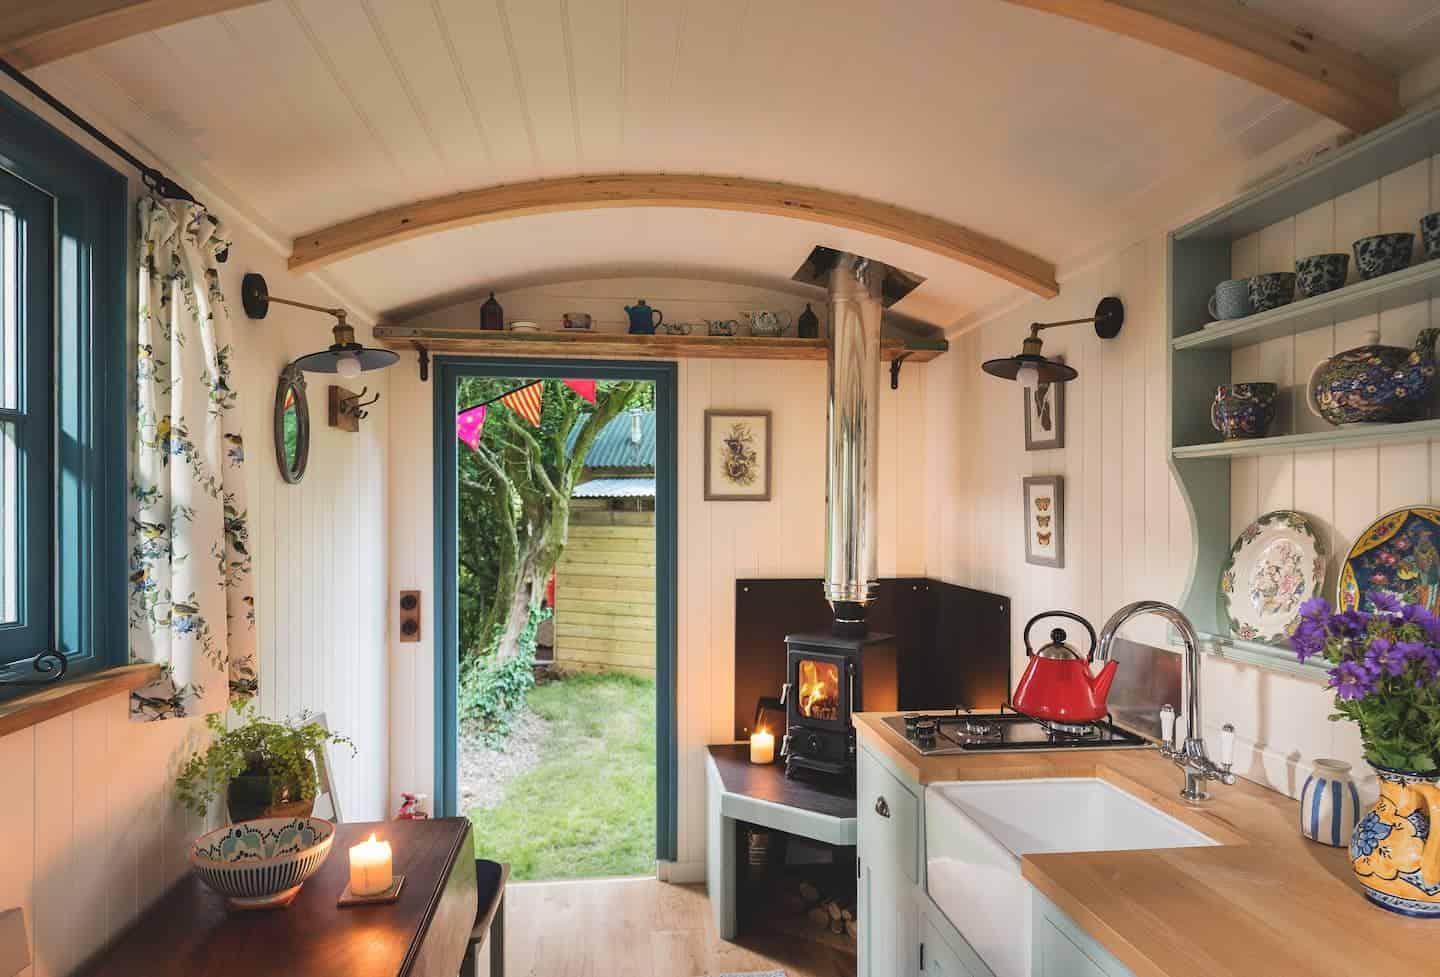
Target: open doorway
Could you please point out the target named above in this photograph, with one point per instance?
(557, 547)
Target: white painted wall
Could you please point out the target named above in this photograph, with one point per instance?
(1128, 534)
(719, 541)
(91, 830)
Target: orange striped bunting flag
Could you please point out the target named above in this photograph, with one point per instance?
(526, 402)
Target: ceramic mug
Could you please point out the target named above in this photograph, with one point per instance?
(677, 328)
(1430, 235)
(1321, 273)
(1231, 299)
(576, 320)
(1272, 290)
(1243, 410)
(721, 327)
(1381, 254)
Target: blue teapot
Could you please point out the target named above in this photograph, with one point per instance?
(1374, 383)
(643, 319)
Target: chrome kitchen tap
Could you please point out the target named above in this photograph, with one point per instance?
(1191, 757)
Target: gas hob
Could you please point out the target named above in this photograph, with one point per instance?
(949, 733)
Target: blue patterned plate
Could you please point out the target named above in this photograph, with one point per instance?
(1399, 553)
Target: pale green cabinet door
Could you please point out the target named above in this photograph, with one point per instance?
(938, 960)
(889, 867)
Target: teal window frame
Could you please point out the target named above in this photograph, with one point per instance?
(665, 376)
(90, 369)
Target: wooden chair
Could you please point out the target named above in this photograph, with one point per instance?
(326, 775)
(14, 948)
(490, 879)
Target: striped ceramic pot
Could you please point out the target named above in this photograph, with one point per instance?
(1329, 804)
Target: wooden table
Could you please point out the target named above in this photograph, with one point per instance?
(191, 933)
(761, 794)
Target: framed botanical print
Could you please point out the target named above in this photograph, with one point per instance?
(737, 455)
(1045, 417)
(1044, 497)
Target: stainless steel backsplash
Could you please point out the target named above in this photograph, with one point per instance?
(1148, 678)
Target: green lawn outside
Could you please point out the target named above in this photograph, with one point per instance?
(587, 809)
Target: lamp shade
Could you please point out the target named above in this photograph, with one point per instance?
(328, 360)
(1047, 370)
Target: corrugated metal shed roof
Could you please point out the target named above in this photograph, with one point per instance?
(626, 442)
(615, 488)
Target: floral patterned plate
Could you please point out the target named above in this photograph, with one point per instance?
(1275, 565)
(1399, 553)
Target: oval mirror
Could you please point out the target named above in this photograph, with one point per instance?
(292, 425)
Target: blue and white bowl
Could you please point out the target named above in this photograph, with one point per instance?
(1329, 804)
(1321, 273)
(1383, 254)
(262, 863)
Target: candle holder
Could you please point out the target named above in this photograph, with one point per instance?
(392, 894)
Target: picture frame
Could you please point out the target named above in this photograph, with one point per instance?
(1044, 417)
(737, 455)
(1043, 501)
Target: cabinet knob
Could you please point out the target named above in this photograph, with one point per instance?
(882, 808)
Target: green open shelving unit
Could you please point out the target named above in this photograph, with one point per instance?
(1199, 258)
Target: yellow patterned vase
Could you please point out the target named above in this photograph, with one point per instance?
(1396, 846)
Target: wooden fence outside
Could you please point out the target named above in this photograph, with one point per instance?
(605, 593)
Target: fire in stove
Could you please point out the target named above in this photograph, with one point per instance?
(819, 689)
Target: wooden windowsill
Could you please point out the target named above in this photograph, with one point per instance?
(67, 695)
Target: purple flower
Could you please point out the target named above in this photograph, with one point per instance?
(1388, 657)
(1384, 601)
(1349, 624)
(1308, 639)
(1315, 609)
(1351, 680)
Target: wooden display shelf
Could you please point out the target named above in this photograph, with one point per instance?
(583, 344)
(1414, 284)
(1354, 436)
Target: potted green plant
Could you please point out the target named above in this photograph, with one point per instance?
(265, 767)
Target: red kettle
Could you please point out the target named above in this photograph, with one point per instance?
(1058, 684)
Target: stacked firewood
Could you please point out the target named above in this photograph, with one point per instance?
(823, 911)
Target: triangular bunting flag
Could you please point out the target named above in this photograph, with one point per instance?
(526, 401)
(469, 424)
(585, 388)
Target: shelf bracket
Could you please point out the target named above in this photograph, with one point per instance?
(424, 359)
(895, 370)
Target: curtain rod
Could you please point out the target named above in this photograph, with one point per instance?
(152, 177)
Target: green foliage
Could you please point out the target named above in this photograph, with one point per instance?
(587, 809)
(492, 689)
(259, 746)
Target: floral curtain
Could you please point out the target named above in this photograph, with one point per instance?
(191, 608)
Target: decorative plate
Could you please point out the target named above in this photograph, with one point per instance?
(1275, 565)
(1399, 553)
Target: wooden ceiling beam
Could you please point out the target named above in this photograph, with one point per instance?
(353, 237)
(36, 32)
(1286, 59)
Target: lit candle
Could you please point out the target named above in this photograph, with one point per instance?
(762, 747)
(370, 867)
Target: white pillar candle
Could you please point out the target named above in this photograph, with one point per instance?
(762, 747)
(370, 868)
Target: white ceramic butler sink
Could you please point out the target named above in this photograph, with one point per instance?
(976, 832)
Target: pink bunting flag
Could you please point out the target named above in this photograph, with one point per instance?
(585, 388)
(469, 424)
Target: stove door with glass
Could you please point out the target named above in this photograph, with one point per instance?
(819, 695)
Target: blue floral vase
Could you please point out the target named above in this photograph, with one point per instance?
(1243, 410)
(1395, 850)
(1374, 383)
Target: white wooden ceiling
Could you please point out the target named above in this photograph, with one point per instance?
(1028, 127)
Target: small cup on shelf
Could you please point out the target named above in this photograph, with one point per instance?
(1272, 290)
(1321, 273)
(1244, 410)
(1231, 299)
(1381, 254)
(1430, 235)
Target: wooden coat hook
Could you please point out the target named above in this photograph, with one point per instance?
(347, 408)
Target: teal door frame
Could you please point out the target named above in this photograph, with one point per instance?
(665, 376)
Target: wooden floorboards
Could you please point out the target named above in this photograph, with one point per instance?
(639, 928)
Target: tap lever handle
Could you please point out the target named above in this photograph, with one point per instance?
(1167, 724)
(1227, 745)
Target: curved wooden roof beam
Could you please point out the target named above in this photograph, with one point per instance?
(36, 32)
(1286, 59)
(353, 237)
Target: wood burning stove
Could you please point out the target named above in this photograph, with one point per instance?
(829, 677)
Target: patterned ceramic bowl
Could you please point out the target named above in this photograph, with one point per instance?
(262, 863)
(1272, 290)
(1244, 410)
(1381, 254)
(1321, 273)
(1430, 235)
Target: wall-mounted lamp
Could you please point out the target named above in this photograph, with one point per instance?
(345, 356)
(1031, 368)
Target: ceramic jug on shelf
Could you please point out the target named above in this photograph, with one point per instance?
(1374, 383)
(643, 319)
(768, 324)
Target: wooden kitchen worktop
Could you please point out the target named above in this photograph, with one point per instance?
(1266, 901)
